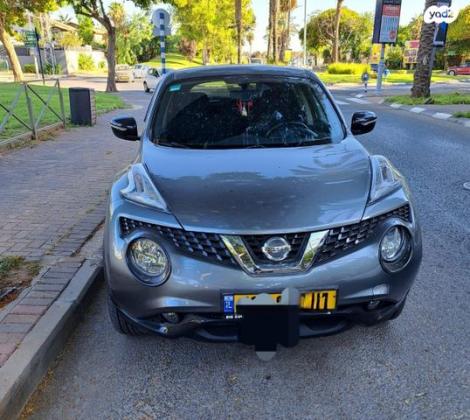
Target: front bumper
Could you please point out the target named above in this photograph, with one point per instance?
(195, 286)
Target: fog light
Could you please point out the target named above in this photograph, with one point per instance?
(171, 317)
(150, 261)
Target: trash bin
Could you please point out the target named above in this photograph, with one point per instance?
(82, 106)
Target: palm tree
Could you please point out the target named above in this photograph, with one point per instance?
(274, 23)
(286, 6)
(423, 72)
(339, 5)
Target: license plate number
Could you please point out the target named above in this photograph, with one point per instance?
(316, 301)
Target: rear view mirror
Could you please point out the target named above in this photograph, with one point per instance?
(125, 128)
(363, 122)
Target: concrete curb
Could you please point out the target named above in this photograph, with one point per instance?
(26, 367)
(430, 113)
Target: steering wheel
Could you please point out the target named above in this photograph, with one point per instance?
(287, 124)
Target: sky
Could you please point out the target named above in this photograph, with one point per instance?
(409, 9)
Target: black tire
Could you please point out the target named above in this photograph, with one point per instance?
(451, 73)
(146, 88)
(120, 323)
(398, 311)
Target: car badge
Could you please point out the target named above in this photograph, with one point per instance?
(276, 248)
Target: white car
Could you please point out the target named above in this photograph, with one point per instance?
(151, 78)
(124, 73)
(139, 71)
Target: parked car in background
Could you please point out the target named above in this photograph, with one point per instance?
(463, 69)
(124, 73)
(139, 71)
(151, 78)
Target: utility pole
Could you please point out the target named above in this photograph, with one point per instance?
(305, 33)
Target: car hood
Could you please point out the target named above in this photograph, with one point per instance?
(269, 190)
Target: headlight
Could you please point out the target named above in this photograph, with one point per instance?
(140, 188)
(391, 244)
(150, 260)
(395, 248)
(385, 178)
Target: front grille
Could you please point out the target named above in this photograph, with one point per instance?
(199, 244)
(256, 242)
(211, 246)
(342, 238)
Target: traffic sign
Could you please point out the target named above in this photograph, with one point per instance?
(30, 40)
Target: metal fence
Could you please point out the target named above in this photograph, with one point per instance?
(27, 110)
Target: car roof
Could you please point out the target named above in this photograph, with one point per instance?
(239, 70)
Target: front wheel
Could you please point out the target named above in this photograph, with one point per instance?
(120, 323)
(451, 73)
(146, 88)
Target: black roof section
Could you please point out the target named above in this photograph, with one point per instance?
(239, 70)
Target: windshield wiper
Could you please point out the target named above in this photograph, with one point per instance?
(173, 144)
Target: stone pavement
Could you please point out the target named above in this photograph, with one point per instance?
(52, 199)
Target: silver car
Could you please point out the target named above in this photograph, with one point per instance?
(253, 214)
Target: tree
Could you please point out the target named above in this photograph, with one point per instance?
(423, 72)
(64, 18)
(238, 25)
(86, 29)
(458, 36)
(11, 13)
(339, 4)
(95, 9)
(355, 31)
(68, 39)
(286, 6)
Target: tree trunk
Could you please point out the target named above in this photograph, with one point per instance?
(339, 4)
(238, 21)
(270, 28)
(10, 49)
(274, 26)
(423, 72)
(111, 58)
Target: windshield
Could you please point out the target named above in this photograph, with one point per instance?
(245, 112)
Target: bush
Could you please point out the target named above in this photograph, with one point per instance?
(50, 69)
(102, 65)
(29, 68)
(348, 68)
(85, 62)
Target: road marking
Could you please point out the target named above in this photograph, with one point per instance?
(357, 100)
(441, 115)
(359, 95)
(417, 109)
(395, 105)
(341, 102)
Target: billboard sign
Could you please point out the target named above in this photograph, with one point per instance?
(30, 40)
(410, 54)
(387, 21)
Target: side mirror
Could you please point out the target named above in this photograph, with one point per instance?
(125, 128)
(363, 122)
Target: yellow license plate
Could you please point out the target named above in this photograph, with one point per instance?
(319, 300)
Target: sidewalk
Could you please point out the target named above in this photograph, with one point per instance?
(52, 200)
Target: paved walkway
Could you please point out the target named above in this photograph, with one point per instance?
(52, 200)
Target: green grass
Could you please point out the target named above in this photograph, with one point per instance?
(175, 61)
(462, 114)
(104, 102)
(454, 98)
(394, 77)
(7, 264)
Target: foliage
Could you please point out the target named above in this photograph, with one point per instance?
(348, 68)
(132, 34)
(85, 62)
(394, 57)
(102, 65)
(29, 68)
(85, 29)
(52, 69)
(211, 25)
(355, 31)
(68, 39)
(188, 48)
(411, 31)
(458, 36)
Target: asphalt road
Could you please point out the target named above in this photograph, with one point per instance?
(414, 367)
